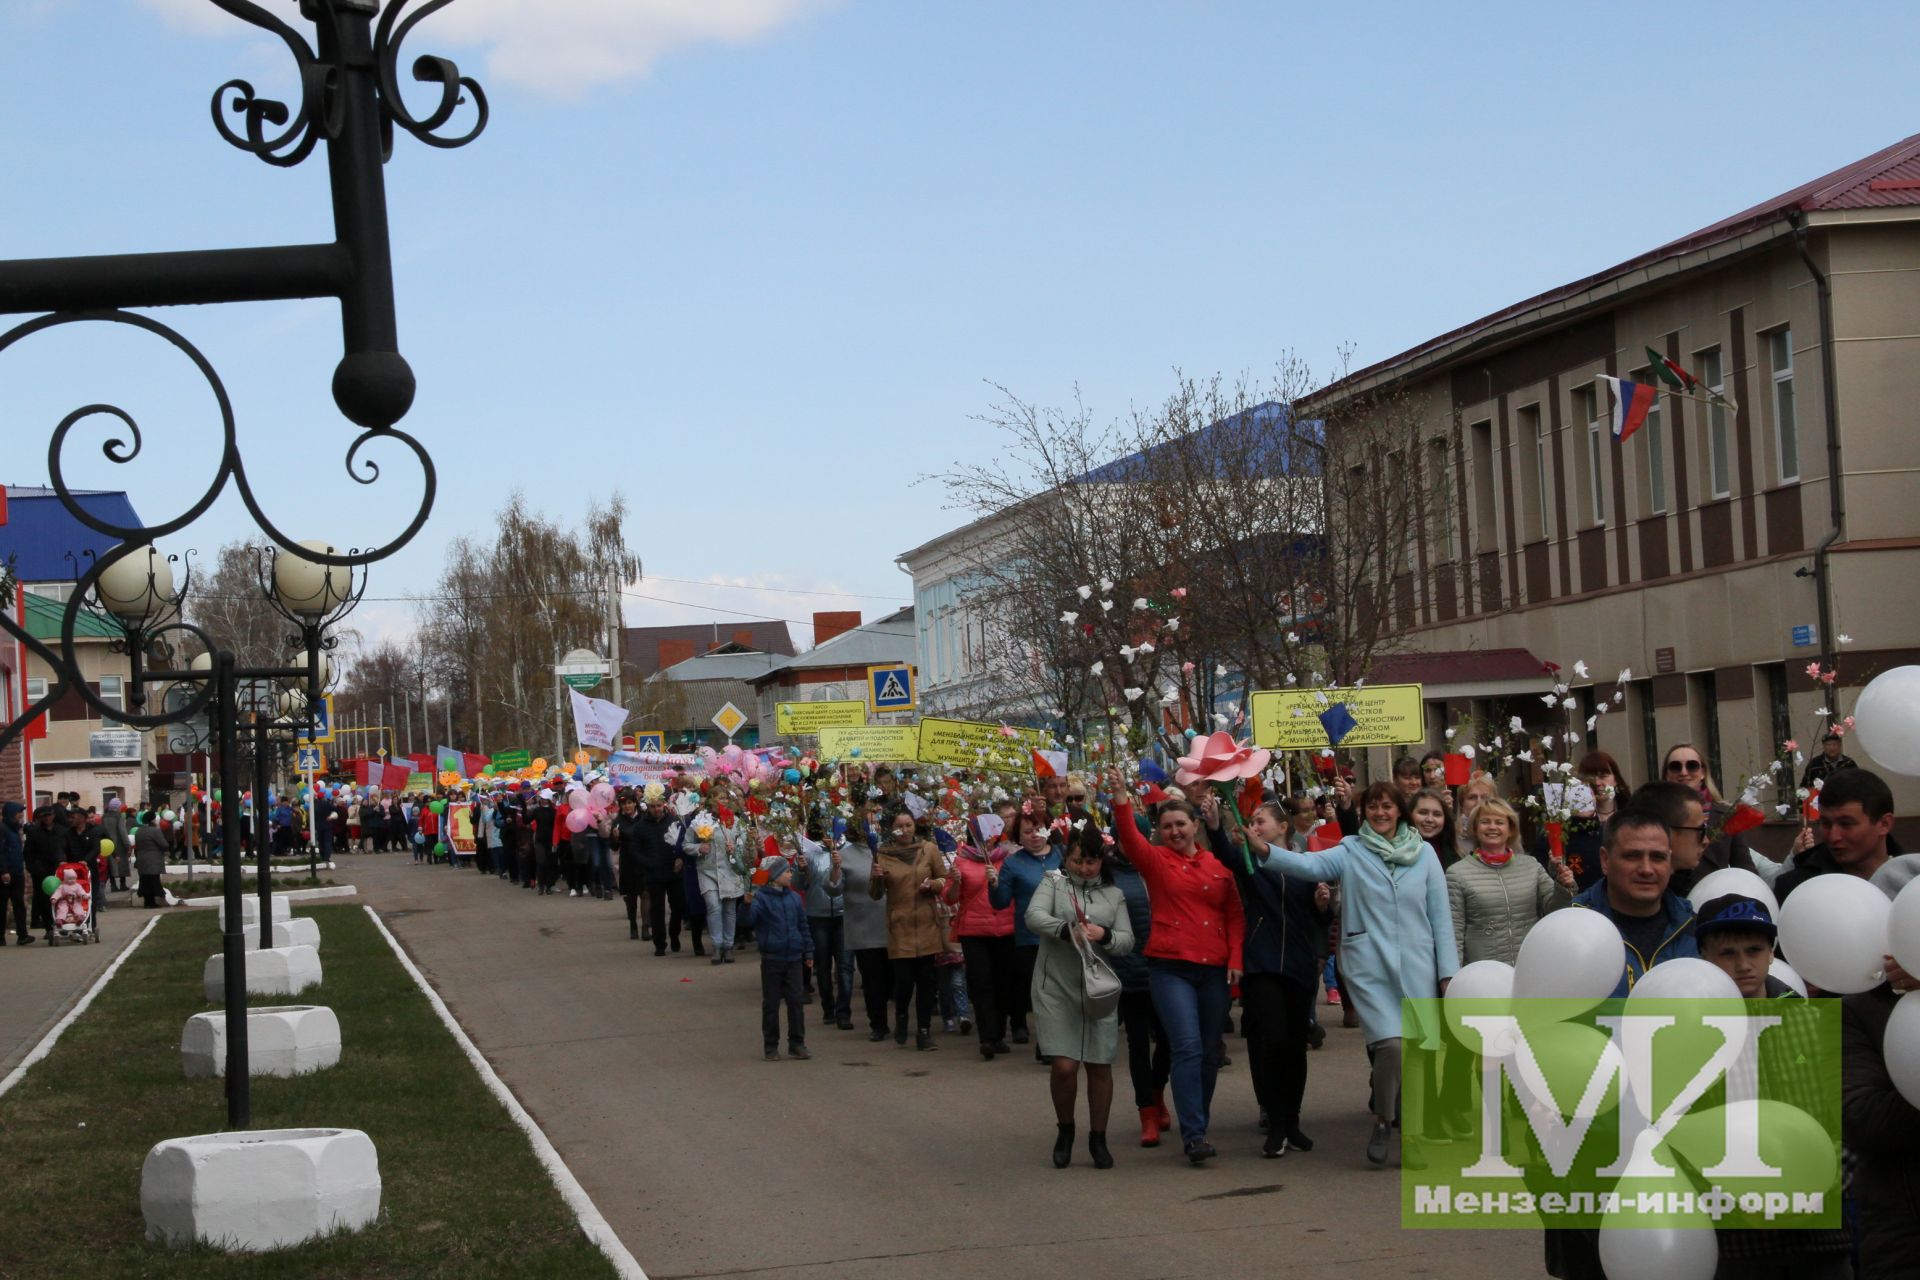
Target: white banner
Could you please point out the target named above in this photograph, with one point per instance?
(596, 722)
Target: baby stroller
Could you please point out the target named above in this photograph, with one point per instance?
(74, 919)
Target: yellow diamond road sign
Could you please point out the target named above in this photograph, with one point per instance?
(729, 719)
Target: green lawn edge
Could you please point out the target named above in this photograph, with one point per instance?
(462, 1191)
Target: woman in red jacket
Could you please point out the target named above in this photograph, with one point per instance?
(986, 939)
(1193, 953)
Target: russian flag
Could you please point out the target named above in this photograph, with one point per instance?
(1632, 401)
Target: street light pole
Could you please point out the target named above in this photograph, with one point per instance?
(233, 947)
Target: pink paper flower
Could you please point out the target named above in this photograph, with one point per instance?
(1218, 758)
(1178, 593)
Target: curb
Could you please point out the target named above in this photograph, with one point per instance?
(45, 1046)
(589, 1217)
(291, 895)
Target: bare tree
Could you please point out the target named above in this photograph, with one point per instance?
(226, 602)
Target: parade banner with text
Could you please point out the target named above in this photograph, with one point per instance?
(791, 718)
(1384, 715)
(974, 744)
(890, 744)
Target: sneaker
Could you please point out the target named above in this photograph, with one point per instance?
(1316, 1036)
(1333, 997)
(1199, 1151)
(845, 1024)
(798, 1051)
(1377, 1144)
(1275, 1145)
(1298, 1141)
(573, 893)
(773, 1055)
(950, 1026)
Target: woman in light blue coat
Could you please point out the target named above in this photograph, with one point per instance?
(1396, 935)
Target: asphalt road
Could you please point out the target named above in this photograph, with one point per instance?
(873, 1160)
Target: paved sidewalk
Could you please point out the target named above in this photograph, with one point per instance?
(871, 1160)
(39, 983)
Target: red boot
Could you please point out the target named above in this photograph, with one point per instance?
(1149, 1126)
(1160, 1109)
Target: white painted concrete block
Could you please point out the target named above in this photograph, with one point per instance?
(282, 1040)
(250, 909)
(274, 971)
(301, 931)
(263, 1189)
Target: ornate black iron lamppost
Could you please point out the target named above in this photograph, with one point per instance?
(350, 100)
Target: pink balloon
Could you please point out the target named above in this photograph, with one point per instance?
(578, 821)
(578, 800)
(602, 794)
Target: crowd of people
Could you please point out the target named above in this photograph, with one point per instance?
(1089, 912)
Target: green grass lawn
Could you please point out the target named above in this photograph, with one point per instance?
(462, 1192)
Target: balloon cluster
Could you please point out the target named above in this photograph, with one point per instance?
(587, 806)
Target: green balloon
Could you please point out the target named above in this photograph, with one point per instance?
(438, 806)
(49, 885)
(216, 795)
(440, 846)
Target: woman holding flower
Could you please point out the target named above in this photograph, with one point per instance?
(1396, 935)
(1494, 897)
(721, 866)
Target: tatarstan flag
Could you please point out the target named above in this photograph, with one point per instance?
(1670, 372)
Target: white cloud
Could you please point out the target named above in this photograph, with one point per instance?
(557, 47)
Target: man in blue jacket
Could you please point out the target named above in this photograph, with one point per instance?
(785, 944)
(1636, 866)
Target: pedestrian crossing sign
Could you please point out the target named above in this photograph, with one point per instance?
(311, 759)
(650, 740)
(890, 687)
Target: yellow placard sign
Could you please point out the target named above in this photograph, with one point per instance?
(791, 718)
(975, 744)
(890, 744)
(1385, 715)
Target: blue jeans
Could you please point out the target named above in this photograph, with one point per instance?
(722, 915)
(1192, 1001)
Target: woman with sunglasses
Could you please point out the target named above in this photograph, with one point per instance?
(1081, 899)
(1686, 765)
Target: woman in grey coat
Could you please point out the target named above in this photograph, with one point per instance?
(149, 857)
(1495, 895)
(1081, 898)
(866, 931)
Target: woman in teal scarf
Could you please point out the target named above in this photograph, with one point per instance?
(1396, 935)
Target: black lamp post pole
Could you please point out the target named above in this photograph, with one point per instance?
(263, 826)
(233, 945)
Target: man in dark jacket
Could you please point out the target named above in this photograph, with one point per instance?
(1636, 869)
(1856, 817)
(1883, 1131)
(46, 849)
(13, 871)
(650, 862)
(1830, 761)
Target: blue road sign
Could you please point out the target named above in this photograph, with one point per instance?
(310, 759)
(654, 742)
(890, 687)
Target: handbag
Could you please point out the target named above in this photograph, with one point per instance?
(1099, 984)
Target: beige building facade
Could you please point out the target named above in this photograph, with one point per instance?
(1690, 554)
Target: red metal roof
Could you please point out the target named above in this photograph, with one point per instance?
(1888, 178)
(1456, 666)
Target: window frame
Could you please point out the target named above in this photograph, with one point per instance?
(1598, 430)
(1780, 343)
(1653, 436)
(1717, 443)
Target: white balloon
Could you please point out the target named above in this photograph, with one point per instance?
(1903, 928)
(1685, 978)
(1785, 972)
(1479, 980)
(1902, 1046)
(1833, 929)
(1734, 880)
(1671, 1253)
(1573, 954)
(1886, 720)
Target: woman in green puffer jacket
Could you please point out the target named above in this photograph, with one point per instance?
(1497, 896)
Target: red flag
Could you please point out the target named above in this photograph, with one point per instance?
(1251, 792)
(1743, 818)
(1459, 769)
(1049, 764)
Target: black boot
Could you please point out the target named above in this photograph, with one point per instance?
(698, 950)
(923, 1038)
(633, 933)
(1097, 1148)
(1063, 1147)
(899, 1028)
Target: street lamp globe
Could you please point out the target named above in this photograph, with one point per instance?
(288, 702)
(307, 587)
(137, 586)
(324, 667)
(202, 661)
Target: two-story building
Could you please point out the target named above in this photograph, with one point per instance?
(1734, 537)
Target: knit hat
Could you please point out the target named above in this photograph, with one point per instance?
(1734, 912)
(775, 867)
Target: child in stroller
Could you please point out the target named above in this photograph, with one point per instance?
(73, 919)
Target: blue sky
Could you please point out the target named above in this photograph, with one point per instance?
(758, 270)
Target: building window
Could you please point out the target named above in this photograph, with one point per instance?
(1786, 428)
(112, 692)
(1653, 438)
(1704, 700)
(1719, 485)
(1641, 692)
(1443, 498)
(61, 591)
(1486, 528)
(36, 688)
(1531, 429)
(1586, 408)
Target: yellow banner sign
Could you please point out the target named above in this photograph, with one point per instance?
(973, 744)
(811, 717)
(1385, 715)
(887, 744)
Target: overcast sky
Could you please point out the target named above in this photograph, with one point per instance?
(754, 263)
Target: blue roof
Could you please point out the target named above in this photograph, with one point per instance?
(1271, 419)
(40, 532)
